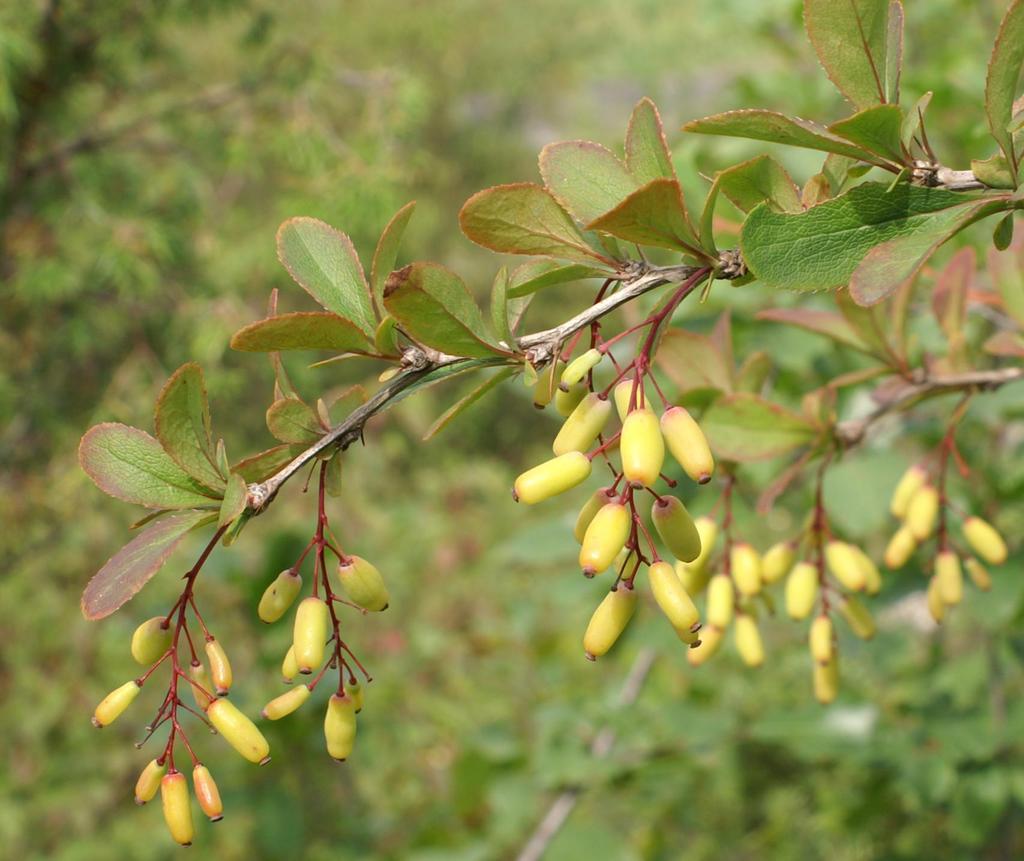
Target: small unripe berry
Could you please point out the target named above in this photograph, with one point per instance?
(642, 448)
(671, 597)
(845, 566)
(985, 540)
(872, 576)
(114, 703)
(177, 810)
(777, 561)
(721, 601)
(622, 394)
(148, 784)
(801, 590)
(544, 388)
(950, 577)
(826, 680)
(746, 569)
(238, 731)
(151, 639)
(579, 367)
(604, 538)
(567, 401)
(676, 528)
(363, 584)
(936, 606)
(688, 444)
(202, 684)
(207, 793)
(748, 640)
(900, 548)
(279, 596)
(579, 431)
(289, 666)
(552, 477)
(858, 617)
(979, 574)
(710, 640)
(821, 638)
(909, 484)
(355, 691)
(220, 667)
(694, 575)
(285, 704)
(601, 497)
(340, 727)
(312, 622)
(609, 621)
(922, 512)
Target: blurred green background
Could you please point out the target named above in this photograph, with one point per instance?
(149, 151)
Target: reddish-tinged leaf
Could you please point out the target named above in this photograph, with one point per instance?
(1003, 75)
(386, 253)
(585, 177)
(744, 427)
(652, 215)
(537, 274)
(303, 330)
(259, 467)
(1006, 344)
(694, 362)
(183, 426)
(647, 154)
(1006, 269)
(826, 323)
(236, 496)
(949, 301)
(293, 421)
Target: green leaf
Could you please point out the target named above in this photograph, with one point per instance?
(435, 307)
(652, 215)
(183, 426)
(446, 372)
(1003, 74)
(236, 495)
(994, 172)
(877, 129)
(894, 52)
(523, 218)
(386, 253)
(585, 177)
(694, 362)
(1002, 236)
(135, 563)
(499, 308)
(293, 421)
(467, 400)
(827, 323)
(773, 127)
(128, 464)
(534, 275)
(385, 339)
(914, 119)
(851, 39)
(819, 249)
(324, 263)
(647, 154)
(868, 323)
(1006, 268)
(303, 330)
(744, 427)
(259, 467)
(333, 474)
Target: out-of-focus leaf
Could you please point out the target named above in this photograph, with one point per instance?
(585, 177)
(135, 563)
(647, 154)
(752, 374)
(235, 497)
(949, 302)
(1006, 269)
(435, 307)
(537, 274)
(876, 129)
(827, 323)
(466, 401)
(1005, 344)
(386, 252)
(259, 467)
(129, 464)
(693, 362)
(523, 218)
(293, 421)
(1003, 73)
(652, 215)
(324, 263)
(302, 330)
(745, 427)
(183, 425)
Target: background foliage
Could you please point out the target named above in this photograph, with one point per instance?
(148, 157)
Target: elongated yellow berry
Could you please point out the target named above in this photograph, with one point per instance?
(693, 577)
(238, 731)
(622, 394)
(777, 561)
(340, 727)
(604, 538)
(114, 703)
(151, 639)
(312, 622)
(936, 606)
(579, 431)
(567, 401)
(748, 640)
(979, 574)
(363, 584)
(707, 646)
(909, 484)
(609, 621)
(355, 692)
(201, 684)
(601, 497)
(289, 666)
(872, 576)
(207, 793)
(858, 617)
(285, 704)
(552, 477)
(826, 680)
(746, 569)
(642, 448)
(544, 388)
(676, 528)
(688, 635)
(579, 367)
(900, 548)
(721, 601)
(821, 637)
(845, 566)
(279, 596)
(671, 597)
(922, 512)
(687, 443)
(177, 809)
(148, 784)
(985, 540)
(801, 590)
(950, 577)
(220, 667)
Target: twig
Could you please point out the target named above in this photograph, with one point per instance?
(563, 805)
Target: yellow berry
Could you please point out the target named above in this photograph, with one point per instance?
(777, 561)
(821, 637)
(642, 448)
(601, 497)
(693, 577)
(567, 401)
(845, 566)
(581, 428)
(177, 810)
(238, 731)
(340, 727)
(801, 590)
(748, 640)
(872, 576)
(671, 597)
(900, 548)
(858, 617)
(605, 537)
(922, 512)
(721, 600)
(220, 667)
(676, 528)
(950, 577)
(114, 703)
(622, 394)
(936, 606)
(746, 569)
(148, 784)
(979, 574)
(201, 684)
(579, 367)
(552, 477)
(207, 793)
(544, 388)
(707, 646)
(688, 444)
(279, 596)
(985, 540)
(289, 666)
(909, 484)
(312, 622)
(688, 636)
(285, 704)
(363, 584)
(355, 691)
(826, 680)
(609, 621)
(151, 640)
